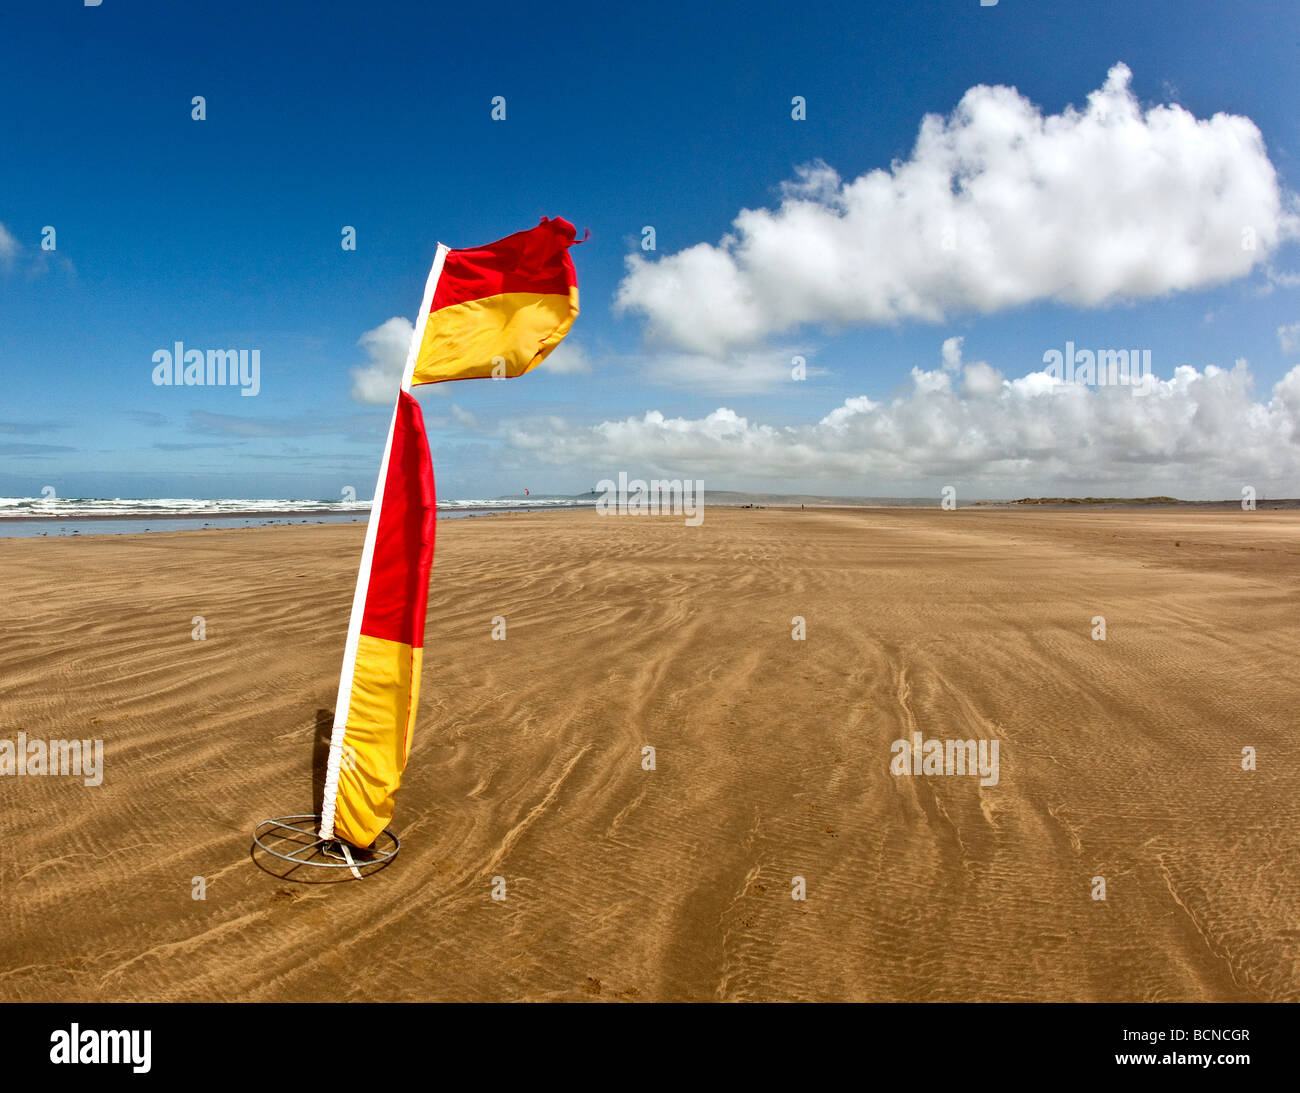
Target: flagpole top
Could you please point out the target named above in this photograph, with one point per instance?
(293, 843)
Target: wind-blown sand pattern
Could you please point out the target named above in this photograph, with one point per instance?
(1119, 759)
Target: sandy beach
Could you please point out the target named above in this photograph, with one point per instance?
(1119, 759)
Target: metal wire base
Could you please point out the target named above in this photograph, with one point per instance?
(294, 839)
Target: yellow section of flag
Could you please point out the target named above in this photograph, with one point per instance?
(494, 337)
(385, 696)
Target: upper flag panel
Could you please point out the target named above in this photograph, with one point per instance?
(499, 310)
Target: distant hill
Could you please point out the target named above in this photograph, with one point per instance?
(1096, 501)
(818, 500)
(1136, 502)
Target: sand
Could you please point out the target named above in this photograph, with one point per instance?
(1119, 759)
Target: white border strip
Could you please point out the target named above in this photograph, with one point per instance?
(341, 706)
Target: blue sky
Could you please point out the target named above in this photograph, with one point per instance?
(225, 233)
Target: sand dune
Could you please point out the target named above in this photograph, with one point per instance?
(1119, 759)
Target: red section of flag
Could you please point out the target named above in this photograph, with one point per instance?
(399, 570)
(536, 260)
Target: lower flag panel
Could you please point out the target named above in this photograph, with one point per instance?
(372, 728)
(513, 332)
(385, 696)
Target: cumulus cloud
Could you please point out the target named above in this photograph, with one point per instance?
(978, 377)
(1289, 337)
(952, 354)
(567, 358)
(981, 378)
(998, 205)
(386, 346)
(1197, 434)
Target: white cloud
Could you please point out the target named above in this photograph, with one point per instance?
(32, 264)
(386, 346)
(952, 354)
(1289, 337)
(742, 372)
(1083, 207)
(980, 378)
(567, 358)
(1275, 278)
(9, 248)
(1198, 434)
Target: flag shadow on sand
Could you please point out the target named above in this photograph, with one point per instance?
(288, 847)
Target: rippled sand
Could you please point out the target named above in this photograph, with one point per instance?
(1119, 759)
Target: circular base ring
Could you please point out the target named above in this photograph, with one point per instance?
(294, 839)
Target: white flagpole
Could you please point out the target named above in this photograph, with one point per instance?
(367, 558)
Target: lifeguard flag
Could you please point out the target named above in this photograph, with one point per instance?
(499, 310)
(491, 311)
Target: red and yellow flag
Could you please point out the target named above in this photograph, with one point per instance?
(385, 685)
(492, 311)
(499, 310)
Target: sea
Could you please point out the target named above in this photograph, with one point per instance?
(55, 517)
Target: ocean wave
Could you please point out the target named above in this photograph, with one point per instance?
(517, 503)
(72, 507)
(66, 507)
